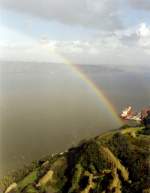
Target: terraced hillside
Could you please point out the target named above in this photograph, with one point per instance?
(114, 162)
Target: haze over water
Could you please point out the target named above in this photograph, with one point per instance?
(46, 108)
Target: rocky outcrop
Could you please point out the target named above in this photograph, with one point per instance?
(12, 188)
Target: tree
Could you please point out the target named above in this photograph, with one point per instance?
(146, 120)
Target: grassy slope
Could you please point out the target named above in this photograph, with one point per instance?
(116, 161)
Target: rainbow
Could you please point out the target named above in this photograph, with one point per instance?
(99, 93)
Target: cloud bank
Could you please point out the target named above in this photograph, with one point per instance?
(130, 47)
(86, 13)
(111, 42)
(140, 4)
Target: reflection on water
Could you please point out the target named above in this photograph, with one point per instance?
(46, 108)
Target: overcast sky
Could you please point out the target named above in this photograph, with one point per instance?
(113, 32)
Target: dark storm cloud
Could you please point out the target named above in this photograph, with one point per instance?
(140, 4)
(86, 13)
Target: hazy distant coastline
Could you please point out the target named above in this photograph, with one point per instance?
(26, 66)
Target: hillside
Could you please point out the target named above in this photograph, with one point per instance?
(114, 162)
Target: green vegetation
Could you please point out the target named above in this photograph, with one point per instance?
(114, 162)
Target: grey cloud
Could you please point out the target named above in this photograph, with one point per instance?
(86, 13)
(140, 4)
(129, 39)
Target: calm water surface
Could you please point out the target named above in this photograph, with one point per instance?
(46, 108)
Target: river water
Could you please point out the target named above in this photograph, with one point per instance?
(46, 108)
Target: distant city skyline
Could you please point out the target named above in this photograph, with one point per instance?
(82, 31)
